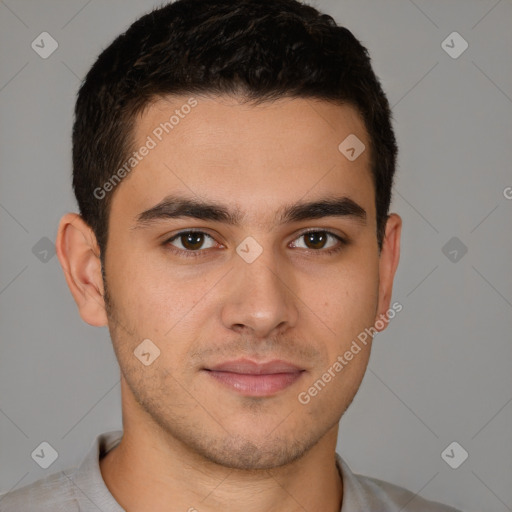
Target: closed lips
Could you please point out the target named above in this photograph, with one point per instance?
(248, 367)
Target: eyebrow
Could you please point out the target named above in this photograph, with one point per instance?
(172, 207)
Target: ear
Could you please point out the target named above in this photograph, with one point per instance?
(388, 263)
(79, 256)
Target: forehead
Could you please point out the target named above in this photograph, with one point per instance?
(256, 157)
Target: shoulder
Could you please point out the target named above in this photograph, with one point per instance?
(397, 498)
(78, 489)
(374, 495)
(55, 492)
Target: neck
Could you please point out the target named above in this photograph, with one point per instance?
(151, 470)
(148, 472)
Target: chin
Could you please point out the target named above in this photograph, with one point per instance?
(246, 455)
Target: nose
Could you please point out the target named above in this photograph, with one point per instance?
(260, 298)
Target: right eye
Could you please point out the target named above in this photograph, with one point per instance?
(190, 243)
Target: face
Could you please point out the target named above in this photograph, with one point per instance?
(218, 254)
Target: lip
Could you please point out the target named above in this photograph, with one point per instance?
(251, 378)
(250, 367)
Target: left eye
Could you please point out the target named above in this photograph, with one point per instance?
(317, 240)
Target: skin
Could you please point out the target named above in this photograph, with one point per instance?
(189, 442)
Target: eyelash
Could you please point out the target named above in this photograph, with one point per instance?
(201, 252)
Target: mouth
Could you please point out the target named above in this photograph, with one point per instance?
(251, 378)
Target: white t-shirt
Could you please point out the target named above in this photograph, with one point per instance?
(82, 489)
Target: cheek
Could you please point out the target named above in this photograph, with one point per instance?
(346, 296)
(160, 300)
(346, 303)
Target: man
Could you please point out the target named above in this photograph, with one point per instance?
(233, 166)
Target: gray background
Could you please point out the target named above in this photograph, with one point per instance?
(441, 372)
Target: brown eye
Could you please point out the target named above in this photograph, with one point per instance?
(190, 240)
(318, 240)
(315, 240)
